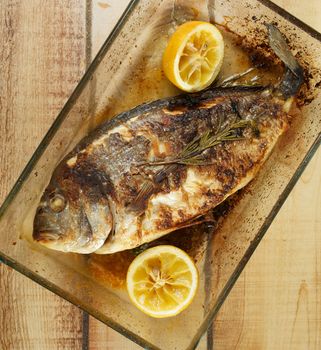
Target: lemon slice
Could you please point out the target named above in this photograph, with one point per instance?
(162, 281)
(194, 55)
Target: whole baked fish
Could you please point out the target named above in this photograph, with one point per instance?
(163, 165)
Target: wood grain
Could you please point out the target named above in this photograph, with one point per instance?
(41, 59)
(276, 302)
(103, 337)
(278, 296)
(105, 15)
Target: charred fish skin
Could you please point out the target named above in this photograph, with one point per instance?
(192, 190)
(159, 166)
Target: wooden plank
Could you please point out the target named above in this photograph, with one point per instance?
(33, 318)
(105, 15)
(42, 57)
(273, 289)
(276, 303)
(103, 337)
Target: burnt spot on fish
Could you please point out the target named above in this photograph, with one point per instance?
(115, 141)
(178, 177)
(94, 182)
(71, 189)
(165, 218)
(213, 196)
(122, 152)
(182, 215)
(185, 102)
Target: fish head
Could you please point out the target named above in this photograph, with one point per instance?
(73, 215)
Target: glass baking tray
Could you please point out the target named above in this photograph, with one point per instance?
(127, 72)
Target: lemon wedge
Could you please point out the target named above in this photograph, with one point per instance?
(162, 281)
(194, 55)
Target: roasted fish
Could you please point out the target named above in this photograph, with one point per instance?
(163, 165)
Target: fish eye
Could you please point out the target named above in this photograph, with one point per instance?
(57, 203)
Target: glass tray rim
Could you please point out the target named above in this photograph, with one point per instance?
(4, 258)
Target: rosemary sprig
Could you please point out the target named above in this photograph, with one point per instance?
(234, 80)
(192, 153)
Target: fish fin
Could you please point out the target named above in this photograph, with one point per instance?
(293, 77)
(281, 49)
(146, 190)
(149, 187)
(198, 220)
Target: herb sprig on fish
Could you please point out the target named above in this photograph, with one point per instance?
(192, 154)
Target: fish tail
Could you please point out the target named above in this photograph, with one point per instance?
(294, 75)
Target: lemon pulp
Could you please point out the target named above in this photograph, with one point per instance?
(162, 281)
(194, 55)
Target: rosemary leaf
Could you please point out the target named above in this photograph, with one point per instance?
(192, 153)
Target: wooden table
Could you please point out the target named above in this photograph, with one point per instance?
(276, 303)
